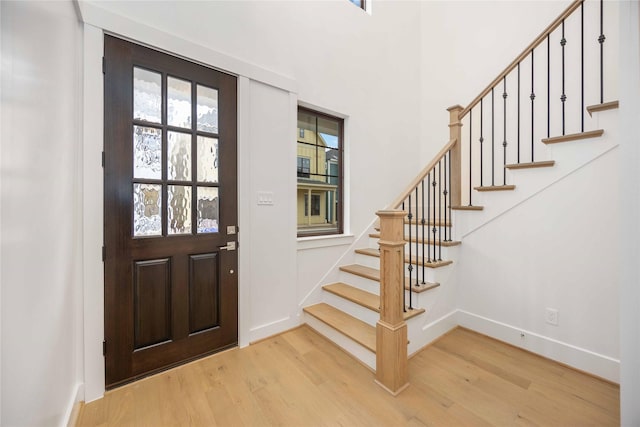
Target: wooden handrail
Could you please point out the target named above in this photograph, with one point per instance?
(568, 11)
(398, 201)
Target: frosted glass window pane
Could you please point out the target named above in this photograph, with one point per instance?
(179, 209)
(207, 159)
(207, 210)
(147, 216)
(178, 103)
(207, 109)
(147, 152)
(178, 156)
(147, 95)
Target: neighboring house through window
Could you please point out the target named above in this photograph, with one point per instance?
(319, 173)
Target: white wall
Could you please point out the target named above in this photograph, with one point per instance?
(629, 212)
(327, 54)
(41, 216)
(557, 249)
(465, 45)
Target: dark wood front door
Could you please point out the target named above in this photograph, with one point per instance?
(170, 200)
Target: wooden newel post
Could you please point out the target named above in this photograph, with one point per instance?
(391, 330)
(455, 133)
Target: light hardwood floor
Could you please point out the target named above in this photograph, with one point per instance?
(301, 379)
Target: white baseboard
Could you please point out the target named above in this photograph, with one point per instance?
(76, 397)
(579, 358)
(421, 337)
(269, 329)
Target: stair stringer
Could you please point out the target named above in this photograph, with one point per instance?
(569, 157)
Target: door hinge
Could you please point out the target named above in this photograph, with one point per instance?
(103, 159)
(104, 66)
(104, 348)
(104, 253)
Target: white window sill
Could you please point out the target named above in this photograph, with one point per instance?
(314, 242)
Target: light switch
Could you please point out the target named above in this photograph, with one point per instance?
(265, 198)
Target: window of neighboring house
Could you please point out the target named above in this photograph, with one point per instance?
(304, 167)
(315, 204)
(360, 3)
(320, 153)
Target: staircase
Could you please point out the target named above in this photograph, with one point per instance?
(350, 307)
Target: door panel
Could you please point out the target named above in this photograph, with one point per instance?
(170, 194)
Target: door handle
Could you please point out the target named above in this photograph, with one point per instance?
(230, 246)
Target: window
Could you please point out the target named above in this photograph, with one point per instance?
(360, 3)
(315, 204)
(319, 173)
(304, 167)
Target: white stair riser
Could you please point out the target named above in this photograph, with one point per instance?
(351, 308)
(350, 346)
(360, 282)
(431, 274)
(447, 251)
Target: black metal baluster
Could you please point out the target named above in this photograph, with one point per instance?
(447, 209)
(440, 212)
(410, 254)
(445, 194)
(582, 65)
(504, 131)
(417, 241)
(470, 145)
(423, 243)
(548, 85)
(435, 220)
(533, 97)
(493, 168)
(563, 98)
(404, 276)
(518, 112)
(601, 40)
(481, 140)
(428, 217)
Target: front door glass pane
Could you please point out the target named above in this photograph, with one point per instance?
(147, 152)
(179, 209)
(178, 156)
(147, 215)
(147, 95)
(207, 159)
(207, 209)
(178, 103)
(207, 109)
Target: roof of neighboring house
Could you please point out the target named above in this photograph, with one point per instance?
(332, 154)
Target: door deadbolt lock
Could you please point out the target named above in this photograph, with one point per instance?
(231, 246)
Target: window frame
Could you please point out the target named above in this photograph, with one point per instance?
(339, 199)
(363, 4)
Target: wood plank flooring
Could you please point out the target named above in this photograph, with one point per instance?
(301, 379)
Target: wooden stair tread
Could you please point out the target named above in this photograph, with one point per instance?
(376, 253)
(467, 208)
(602, 107)
(374, 274)
(359, 331)
(426, 242)
(574, 136)
(364, 298)
(495, 188)
(543, 164)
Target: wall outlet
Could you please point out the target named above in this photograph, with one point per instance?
(551, 316)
